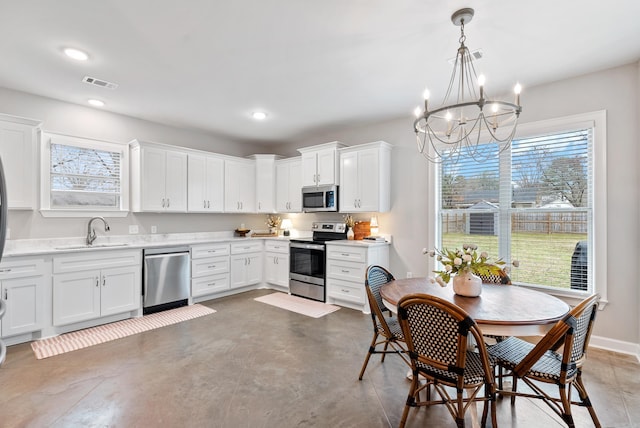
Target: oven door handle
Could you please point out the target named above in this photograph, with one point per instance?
(319, 247)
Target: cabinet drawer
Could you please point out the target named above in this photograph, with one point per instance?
(347, 271)
(246, 247)
(209, 284)
(209, 266)
(209, 250)
(103, 259)
(21, 268)
(277, 246)
(344, 252)
(346, 291)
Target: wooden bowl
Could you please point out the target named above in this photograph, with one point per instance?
(242, 232)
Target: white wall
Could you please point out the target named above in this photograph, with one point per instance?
(614, 90)
(81, 121)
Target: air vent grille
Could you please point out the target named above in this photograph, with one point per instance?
(99, 82)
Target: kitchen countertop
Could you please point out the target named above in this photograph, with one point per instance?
(33, 247)
(30, 247)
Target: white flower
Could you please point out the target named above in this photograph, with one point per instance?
(432, 280)
(473, 246)
(457, 261)
(466, 258)
(440, 281)
(516, 263)
(484, 255)
(425, 251)
(448, 268)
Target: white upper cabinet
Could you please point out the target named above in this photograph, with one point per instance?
(320, 164)
(18, 140)
(239, 185)
(158, 178)
(265, 183)
(365, 177)
(205, 183)
(288, 185)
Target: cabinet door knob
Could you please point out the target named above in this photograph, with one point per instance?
(104, 281)
(97, 282)
(162, 202)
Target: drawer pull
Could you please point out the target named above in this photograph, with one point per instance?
(211, 267)
(211, 283)
(345, 291)
(346, 254)
(345, 271)
(5, 270)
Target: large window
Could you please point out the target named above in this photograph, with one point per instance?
(535, 202)
(83, 175)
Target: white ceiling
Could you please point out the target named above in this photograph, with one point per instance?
(207, 64)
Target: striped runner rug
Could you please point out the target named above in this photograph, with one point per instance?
(75, 340)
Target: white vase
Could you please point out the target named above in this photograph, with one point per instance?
(467, 284)
(350, 233)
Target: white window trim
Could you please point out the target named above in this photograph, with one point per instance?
(598, 255)
(45, 176)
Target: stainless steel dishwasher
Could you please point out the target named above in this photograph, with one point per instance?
(166, 278)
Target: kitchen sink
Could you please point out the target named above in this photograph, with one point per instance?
(88, 247)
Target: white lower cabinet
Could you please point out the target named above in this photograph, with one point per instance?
(246, 263)
(209, 269)
(87, 287)
(276, 265)
(22, 289)
(346, 269)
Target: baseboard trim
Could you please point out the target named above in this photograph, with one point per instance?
(616, 346)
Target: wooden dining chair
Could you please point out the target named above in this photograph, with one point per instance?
(386, 330)
(557, 359)
(496, 278)
(436, 333)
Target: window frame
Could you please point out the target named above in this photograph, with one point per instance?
(45, 182)
(598, 234)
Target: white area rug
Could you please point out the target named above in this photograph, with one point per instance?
(104, 333)
(297, 304)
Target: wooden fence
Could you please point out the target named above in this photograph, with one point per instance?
(536, 222)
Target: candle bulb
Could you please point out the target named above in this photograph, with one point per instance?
(426, 95)
(481, 81)
(517, 90)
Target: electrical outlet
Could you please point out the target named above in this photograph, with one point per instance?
(133, 228)
(409, 274)
(154, 229)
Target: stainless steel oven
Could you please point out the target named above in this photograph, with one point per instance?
(307, 260)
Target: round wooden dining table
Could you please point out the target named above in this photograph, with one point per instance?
(501, 310)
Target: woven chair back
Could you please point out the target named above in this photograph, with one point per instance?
(436, 334)
(499, 278)
(377, 276)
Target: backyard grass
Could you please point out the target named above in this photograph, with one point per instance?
(544, 258)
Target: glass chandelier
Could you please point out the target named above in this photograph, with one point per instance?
(467, 115)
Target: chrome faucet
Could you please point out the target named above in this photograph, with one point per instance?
(91, 232)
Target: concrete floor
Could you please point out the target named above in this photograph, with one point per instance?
(254, 365)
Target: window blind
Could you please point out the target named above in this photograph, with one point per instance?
(531, 202)
(84, 177)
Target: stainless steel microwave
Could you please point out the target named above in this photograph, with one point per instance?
(320, 198)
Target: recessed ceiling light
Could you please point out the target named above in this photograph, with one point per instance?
(76, 54)
(96, 103)
(259, 115)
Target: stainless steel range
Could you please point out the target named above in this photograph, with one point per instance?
(307, 260)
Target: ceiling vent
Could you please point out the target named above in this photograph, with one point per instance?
(475, 55)
(99, 82)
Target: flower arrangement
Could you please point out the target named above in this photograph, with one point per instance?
(467, 259)
(273, 221)
(349, 221)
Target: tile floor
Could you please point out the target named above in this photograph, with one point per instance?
(254, 365)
